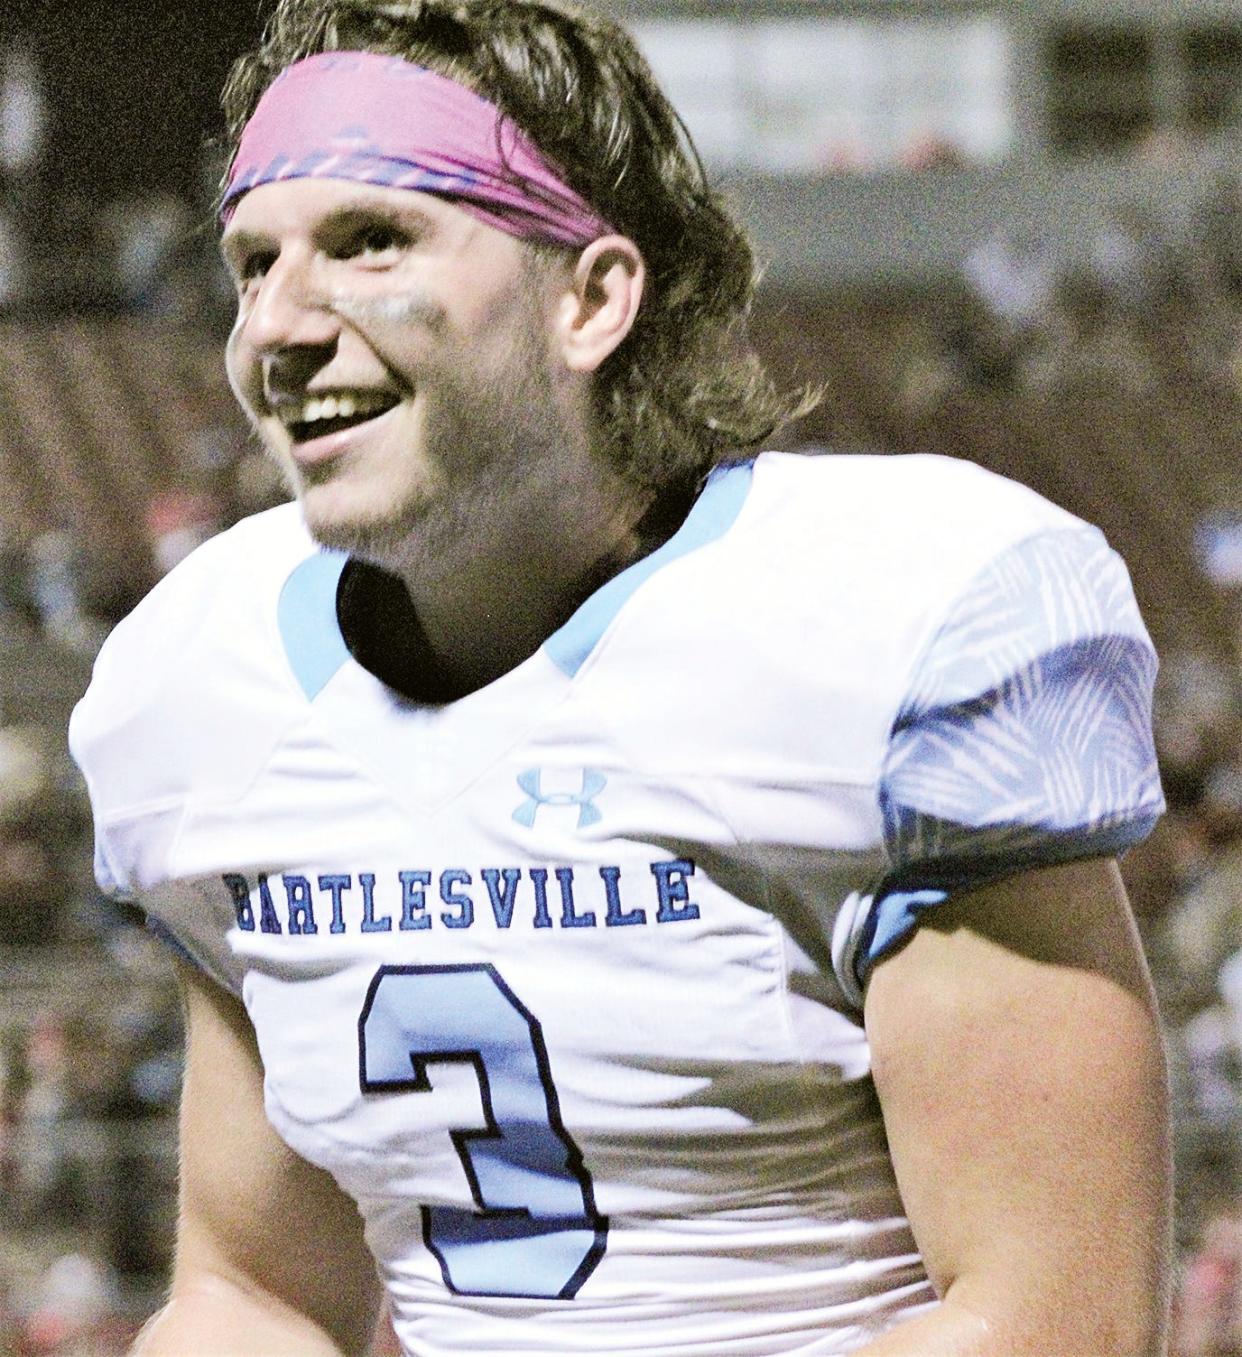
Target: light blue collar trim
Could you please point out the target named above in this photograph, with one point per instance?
(713, 514)
(306, 614)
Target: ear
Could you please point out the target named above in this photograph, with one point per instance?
(598, 310)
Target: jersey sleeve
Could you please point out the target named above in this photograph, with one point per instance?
(1024, 739)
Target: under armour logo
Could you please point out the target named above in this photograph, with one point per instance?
(531, 782)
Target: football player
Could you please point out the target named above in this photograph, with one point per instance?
(634, 894)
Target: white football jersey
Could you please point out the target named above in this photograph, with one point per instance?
(562, 981)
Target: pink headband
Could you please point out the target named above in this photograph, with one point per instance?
(381, 120)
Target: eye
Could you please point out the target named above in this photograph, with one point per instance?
(374, 242)
(252, 265)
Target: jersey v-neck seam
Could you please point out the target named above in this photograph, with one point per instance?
(328, 659)
(352, 749)
(325, 652)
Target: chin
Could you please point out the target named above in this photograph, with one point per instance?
(375, 535)
(359, 538)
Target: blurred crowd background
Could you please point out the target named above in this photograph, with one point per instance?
(1011, 234)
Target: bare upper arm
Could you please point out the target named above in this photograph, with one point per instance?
(255, 1218)
(1019, 1065)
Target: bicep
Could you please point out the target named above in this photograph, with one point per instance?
(1019, 1065)
(254, 1216)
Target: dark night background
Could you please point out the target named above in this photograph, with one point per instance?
(1070, 317)
(132, 87)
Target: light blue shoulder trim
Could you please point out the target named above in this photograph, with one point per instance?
(714, 513)
(308, 624)
(312, 635)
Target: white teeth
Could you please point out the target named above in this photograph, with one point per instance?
(344, 406)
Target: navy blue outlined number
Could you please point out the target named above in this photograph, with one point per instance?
(535, 1231)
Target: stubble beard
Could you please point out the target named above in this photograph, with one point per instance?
(375, 536)
(501, 445)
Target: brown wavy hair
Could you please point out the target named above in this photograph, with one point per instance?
(685, 390)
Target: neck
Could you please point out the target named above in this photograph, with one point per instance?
(490, 592)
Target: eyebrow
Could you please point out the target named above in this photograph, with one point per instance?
(234, 245)
(406, 217)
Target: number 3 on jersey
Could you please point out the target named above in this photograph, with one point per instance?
(536, 1231)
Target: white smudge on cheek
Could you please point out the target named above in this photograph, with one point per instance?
(408, 308)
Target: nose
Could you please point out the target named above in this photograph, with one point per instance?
(289, 326)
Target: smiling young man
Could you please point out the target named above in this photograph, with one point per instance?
(632, 897)
(442, 430)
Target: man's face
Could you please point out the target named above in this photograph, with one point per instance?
(395, 355)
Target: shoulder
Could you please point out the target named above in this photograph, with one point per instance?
(169, 676)
(829, 546)
(225, 571)
(906, 504)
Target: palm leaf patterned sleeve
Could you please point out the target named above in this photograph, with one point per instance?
(1025, 737)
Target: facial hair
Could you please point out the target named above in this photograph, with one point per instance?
(496, 438)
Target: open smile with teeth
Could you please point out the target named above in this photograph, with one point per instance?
(321, 414)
